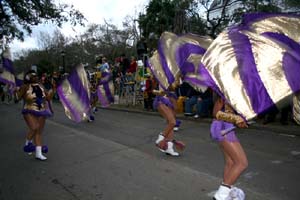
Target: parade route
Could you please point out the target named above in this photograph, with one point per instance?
(114, 158)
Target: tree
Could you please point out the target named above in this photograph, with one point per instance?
(226, 17)
(47, 57)
(166, 15)
(294, 4)
(18, 16)
(270, 6)
(217, 24)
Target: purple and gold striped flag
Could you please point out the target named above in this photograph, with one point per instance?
(105, 90)
(162, 62)
(188, 56)
(256, 65)
(7, 70)
(178, 56)
(106, 93)
(74, 94)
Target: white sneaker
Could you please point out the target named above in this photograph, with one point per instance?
(236, 194)
(176, 128)
(170, 151)
(196, 116)
(222, 193)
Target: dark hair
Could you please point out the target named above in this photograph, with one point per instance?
(28, 75)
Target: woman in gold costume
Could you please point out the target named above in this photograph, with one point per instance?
(36, 108)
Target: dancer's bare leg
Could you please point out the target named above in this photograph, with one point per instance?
(32, 124)
(235, 161)
(167, 113)
(38, 135)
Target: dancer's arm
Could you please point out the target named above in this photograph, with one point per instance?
(20, 92)
(158, 92)
(228, 117)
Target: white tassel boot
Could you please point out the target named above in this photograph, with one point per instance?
(170, 151)
(38, 153)
(158, 140)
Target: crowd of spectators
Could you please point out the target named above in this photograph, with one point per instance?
(131, 76)
(128, 77)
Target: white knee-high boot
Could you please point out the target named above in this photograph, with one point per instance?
(38, 153)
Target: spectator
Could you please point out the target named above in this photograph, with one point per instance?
(133, 65)
(47, 83)
(183, 89)
(124, 63)
(148, 94)
(271, 114)
(105, 66)
(204, 104)
(192, 97)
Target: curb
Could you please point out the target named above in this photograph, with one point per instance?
(291, 130)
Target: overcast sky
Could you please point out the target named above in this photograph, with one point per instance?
(95, 11)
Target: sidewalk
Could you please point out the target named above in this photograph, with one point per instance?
(291, 129)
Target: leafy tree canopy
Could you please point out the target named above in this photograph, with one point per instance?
(18, 16)
(177, 16)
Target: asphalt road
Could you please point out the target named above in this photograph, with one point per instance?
(114, 158)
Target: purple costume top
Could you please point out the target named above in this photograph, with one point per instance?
(35, 101)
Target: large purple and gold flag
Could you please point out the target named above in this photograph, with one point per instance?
(105, 90)
(256, 65)
(7, 70)
(178, 56)
(188, 57)
(74, 94)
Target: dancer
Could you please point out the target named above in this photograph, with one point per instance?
(35, 110)
(165, 141)
(235, 158)
(94, 99)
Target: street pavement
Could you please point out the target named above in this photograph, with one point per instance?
(114, 158)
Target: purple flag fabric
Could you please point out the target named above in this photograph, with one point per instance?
(256, 65)
(7, 70)
(105, 90)
(74, 94)
(105, 93)
(179, 57)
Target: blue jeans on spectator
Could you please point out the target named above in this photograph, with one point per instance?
(189, 105)
(204, 107)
